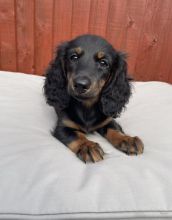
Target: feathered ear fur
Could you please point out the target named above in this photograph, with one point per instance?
(117, 92)
(55, 88)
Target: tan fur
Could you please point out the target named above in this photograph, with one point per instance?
(78, 50)
(75, 145)
(87, 150)
(71, 124)
(125, 143)
(102, 124)
(100, 54)
(115, 136)
(101, 83)
(88, 103)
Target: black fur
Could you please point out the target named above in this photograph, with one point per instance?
(109, 100)
(55, 88)
(116, 95)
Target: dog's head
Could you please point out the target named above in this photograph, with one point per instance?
(89, 69)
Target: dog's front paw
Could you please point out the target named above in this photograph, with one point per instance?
(130, 145)
(90, 151)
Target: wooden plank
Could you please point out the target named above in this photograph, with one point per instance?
(135, 12)
(98, 17)
(0, 46)
(152, 41)
(165, 64)
(116, 24)
(80, 17)
(167, 53)
(43, 34)
(62, 21)
(8, 35)
(124, 27)
(25, 35)
(170, 74)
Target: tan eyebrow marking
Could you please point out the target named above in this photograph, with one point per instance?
(78, 50)
(100, 54)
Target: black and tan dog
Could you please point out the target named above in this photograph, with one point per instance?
(88, 86)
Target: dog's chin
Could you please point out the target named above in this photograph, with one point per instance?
(81, 98)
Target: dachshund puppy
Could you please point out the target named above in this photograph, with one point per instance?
(88, 86)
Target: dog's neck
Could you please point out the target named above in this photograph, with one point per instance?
(85, 103)
(84, 115)
(90, 102)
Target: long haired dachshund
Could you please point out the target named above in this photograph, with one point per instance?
(88, 86)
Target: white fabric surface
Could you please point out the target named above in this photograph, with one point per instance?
(41, 179)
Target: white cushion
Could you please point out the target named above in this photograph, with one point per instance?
(42, 179)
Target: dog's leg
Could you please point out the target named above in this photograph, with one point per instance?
(85, 149)
(115, 135)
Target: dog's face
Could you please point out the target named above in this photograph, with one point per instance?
(89, 61)
(89, 69)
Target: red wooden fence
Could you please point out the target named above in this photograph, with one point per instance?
(30, 30)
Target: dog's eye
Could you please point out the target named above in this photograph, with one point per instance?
(74, 57)
(103, 63)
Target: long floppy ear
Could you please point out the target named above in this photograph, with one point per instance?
(55, 88)
(116, 93)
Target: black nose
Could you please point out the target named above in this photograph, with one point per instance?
(82, 84)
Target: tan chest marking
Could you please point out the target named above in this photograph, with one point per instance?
(71, 124)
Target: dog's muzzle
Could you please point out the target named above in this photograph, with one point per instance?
(81, 84)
